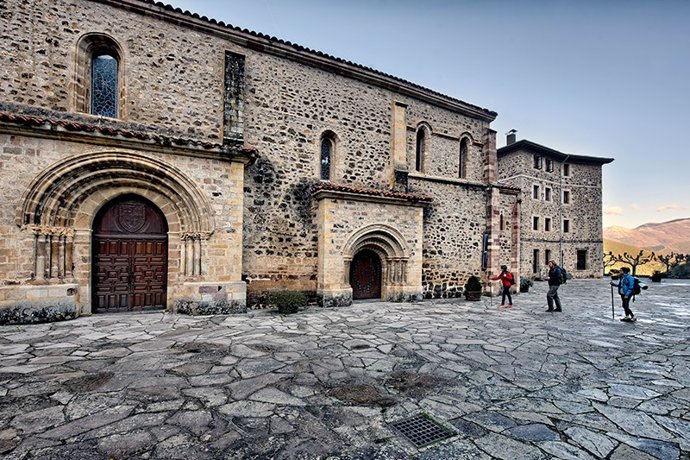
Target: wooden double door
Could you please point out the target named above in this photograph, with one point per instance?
(130, 257)
(365, 275)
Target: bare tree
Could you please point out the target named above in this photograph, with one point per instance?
(632, 260)
(672, 260)
(608, 261)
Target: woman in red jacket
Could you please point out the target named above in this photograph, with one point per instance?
(507, 280)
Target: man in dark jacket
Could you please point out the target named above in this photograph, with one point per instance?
(554, 283)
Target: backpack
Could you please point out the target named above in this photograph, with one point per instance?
(512, 278)
(564, 275)
(638, 287)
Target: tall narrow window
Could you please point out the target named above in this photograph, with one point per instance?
(502, 222)
(104, 85)
(566, 170)
(547, 256)
(419, 158)
(549, 165)
(535, 192)
(535, 223)
(99, 76)
(537, 162)
(547, 224)
(547, 193)
(462, 169)
(326, 158)
(535, 261)
(566, 197)
(566, 225)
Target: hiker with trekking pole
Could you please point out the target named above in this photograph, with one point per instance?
(627, 288)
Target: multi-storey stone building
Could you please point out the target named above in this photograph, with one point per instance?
(560, 209)
(151, 158)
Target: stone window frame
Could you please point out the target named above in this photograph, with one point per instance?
(463, 157)
(547, 224)
(501, 221)
(535, 222)
(549, 165)
(547, 256)
(331, 138)
(548, 194)
(570, 197)
(538, 161)
(577, 259)
(566, 170)
(566, 226)
(421, 151)
(535, 260)
(88, 46)
(536, 191)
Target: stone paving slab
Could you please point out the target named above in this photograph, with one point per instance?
(326, 384)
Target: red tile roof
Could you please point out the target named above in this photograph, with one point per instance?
(330, 186)
(111, 131)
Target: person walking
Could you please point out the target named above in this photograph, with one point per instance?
(507, 280)
(555, 275)
(626, 286)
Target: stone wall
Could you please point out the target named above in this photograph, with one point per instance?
(584, 213)
(173, 81)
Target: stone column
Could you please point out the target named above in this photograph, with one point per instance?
(398, 178)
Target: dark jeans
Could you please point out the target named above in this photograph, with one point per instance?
(506, 292)
(626, 305)
(552, 296)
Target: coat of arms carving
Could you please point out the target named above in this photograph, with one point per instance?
(132, 216)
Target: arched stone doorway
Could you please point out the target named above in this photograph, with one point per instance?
(365, 275)
(130, 256)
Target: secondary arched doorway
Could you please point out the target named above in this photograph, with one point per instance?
(365, 275)
(130, 256)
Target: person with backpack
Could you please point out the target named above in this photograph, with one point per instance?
(507, 280)
(626, 289)
(555, 279)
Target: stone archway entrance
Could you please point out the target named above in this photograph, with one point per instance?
(365, 275)
(130, 256)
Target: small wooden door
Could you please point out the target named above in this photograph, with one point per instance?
(130, 257)
(365, 275)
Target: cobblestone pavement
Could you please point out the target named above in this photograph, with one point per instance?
(510, 384)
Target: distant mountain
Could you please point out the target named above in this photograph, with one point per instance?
(671, 236)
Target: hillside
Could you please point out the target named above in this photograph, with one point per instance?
(671, 236)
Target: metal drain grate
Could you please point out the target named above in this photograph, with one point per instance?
(421, 430)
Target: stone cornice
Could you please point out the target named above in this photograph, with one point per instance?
(271, 45)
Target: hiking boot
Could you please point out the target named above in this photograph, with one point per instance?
(633, 319)
(549, 310)
(558, 310)
(626, 319)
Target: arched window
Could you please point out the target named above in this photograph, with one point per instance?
(327, 156)
(104, 85)
(98, 88)
(421, 147)
(462, 168)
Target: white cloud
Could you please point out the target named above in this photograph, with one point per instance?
(613, 210)
(672, 207)
(634, 206)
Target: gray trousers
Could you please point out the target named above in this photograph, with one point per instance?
(552, 296)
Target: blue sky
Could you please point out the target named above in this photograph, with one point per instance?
(601, 78)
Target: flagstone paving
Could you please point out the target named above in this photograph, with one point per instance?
(326, 384)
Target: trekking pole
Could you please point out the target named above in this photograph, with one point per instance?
(612, 313)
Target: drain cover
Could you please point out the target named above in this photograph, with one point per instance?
(421, 430)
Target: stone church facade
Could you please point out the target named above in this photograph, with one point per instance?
(151, 158)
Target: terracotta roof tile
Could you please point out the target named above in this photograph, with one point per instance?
(330, 186)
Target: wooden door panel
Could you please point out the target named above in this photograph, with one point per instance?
(130, 257)
(365, 275)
